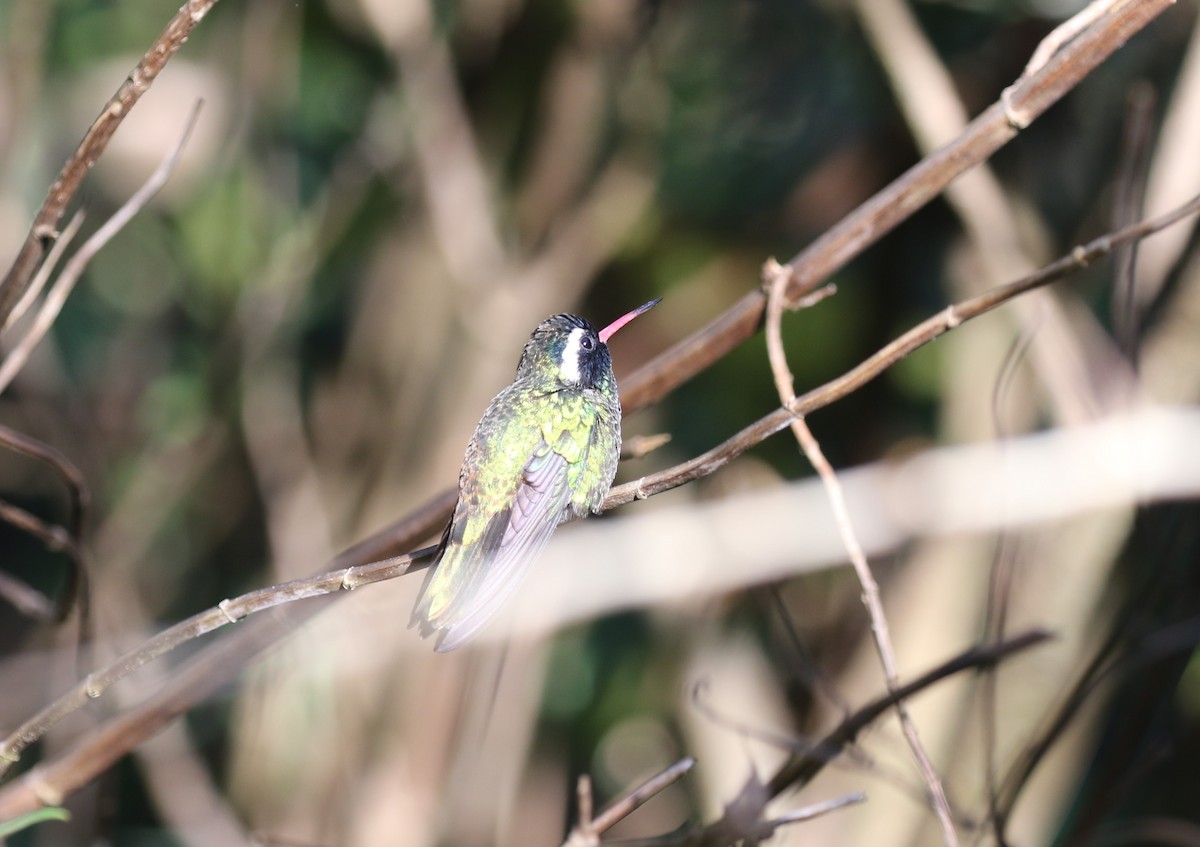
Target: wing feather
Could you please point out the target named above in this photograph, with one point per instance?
(487, 572)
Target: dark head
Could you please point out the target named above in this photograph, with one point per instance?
(570, 351)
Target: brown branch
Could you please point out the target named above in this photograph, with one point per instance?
(78, 587)
(990, 131)
(43, 231)
(77, 486)
(784, 383)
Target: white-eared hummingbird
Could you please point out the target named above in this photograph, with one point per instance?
(545, 450)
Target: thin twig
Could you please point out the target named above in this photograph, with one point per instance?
(908, 193)
(588, 831)
(800, 769)
(777, 281)
(43, 275)
(17, 280)
(77, 486)
(71, 272)
(55, 538)
(26, 599)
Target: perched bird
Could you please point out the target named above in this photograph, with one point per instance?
(546, 449)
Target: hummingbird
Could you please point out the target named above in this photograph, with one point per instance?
(545, 450)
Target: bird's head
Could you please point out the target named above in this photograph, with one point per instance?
(567, 349)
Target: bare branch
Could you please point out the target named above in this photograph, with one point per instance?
(15, 282)
(66, 280)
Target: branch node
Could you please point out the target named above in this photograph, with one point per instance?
(349, 583)
(46, 233)
(639, 493)
(1015, 118)
(92, 691)
(224, 607)
(953, 318)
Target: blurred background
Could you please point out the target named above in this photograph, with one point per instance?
(289, 349)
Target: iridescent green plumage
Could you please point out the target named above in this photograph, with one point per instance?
(546, 449)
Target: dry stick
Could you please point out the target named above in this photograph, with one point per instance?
(17, 280)
(55, 538)
(776, 278)
(78, 587)
(26, 599)
(588, 831)
(1037, 90)
(77, 486)
(43, 275)
(62, 287)
(424, 522)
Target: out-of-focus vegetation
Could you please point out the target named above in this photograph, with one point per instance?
(290, 347)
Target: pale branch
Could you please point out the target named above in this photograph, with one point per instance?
(26, 599)
(1047, 82)
(43, 231)
(61, 289)
(777, 280)
(428, 519)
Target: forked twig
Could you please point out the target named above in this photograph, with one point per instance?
(777, 279)
(588, 831)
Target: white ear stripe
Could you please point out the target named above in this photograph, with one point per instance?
(568, 368)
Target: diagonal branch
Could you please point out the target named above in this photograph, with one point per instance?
(43, 231)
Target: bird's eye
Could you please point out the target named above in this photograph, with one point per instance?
(586, 343)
